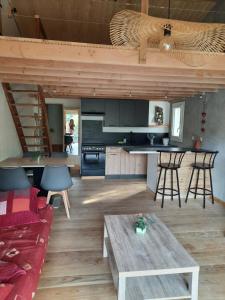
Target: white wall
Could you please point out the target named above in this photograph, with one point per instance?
(67, 103)
(9, 142)
(166, 112)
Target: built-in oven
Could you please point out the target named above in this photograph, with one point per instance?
(92, 160)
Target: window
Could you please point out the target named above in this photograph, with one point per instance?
(177, 123)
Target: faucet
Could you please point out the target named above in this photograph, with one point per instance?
(152, 140)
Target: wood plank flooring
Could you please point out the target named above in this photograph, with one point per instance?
(74, 267)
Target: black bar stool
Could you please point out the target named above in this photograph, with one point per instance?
(172, 164)
(204, 160)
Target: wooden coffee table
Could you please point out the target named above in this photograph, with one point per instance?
(151, 266)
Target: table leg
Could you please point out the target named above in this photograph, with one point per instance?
(121, 288)
(193, 284)
(105, 252)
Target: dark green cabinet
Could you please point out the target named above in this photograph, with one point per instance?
(127, 113)
(141, 113)
(119, 113)
(112, 113)
(92, 106)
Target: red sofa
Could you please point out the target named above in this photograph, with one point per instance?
(25, 246)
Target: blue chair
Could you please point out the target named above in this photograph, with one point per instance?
(56, 180)
(13, 179)
(59, 154)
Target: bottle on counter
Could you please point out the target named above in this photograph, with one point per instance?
(197, 143)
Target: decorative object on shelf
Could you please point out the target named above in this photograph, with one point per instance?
(142, 223)
(158, 115)
(189, 42)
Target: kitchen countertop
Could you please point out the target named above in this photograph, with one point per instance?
(147, 148)
(135, 146)
(154, 149)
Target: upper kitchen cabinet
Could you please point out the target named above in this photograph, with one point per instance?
(112, 113)
(92, 106)
(119, 113)
(127, 113)
(134, 113)
(141, 108)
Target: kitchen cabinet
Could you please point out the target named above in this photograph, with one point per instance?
(112, 163)
(141, 108)
(92, 106)
(140, 164)
(112, 113)
(120, 162)
(119, 113)
(126, 111)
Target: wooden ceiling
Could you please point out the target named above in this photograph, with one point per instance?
(66, 69)
(97, 71)
(88, 20)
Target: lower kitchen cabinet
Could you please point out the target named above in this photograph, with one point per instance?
(119, 163)
(112, 163)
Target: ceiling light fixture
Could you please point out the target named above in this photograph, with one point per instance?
(189, 42)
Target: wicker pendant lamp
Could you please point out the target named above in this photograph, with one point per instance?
(189, 42)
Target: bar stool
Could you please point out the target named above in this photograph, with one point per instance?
(204, 161)
(56, 180)
(172, 164)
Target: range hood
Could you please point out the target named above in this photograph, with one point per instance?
(92, 116)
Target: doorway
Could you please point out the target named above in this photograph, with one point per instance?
(71, 131)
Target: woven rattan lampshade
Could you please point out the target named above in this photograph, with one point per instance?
(130, 28)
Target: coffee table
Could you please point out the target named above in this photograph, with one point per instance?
(150, 266)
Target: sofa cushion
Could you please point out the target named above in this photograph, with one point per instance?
(26, 246)
(9, 271)
(5, 290)
(19, 218)
(18, 200)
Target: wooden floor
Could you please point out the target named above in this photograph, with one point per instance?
(74, 267)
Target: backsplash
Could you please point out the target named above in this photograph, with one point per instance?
(92, 133)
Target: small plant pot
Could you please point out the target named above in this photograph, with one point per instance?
(139, 230)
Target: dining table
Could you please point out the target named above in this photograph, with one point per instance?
(30, 162)
(36, 165)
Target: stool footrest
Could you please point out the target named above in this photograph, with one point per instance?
(174, 192)
(209, 192)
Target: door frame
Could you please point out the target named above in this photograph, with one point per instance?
(68, 109)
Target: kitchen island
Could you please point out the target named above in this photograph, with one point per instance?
(152, 153)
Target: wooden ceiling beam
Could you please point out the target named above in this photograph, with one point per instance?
(119, 87)
(109, 76)
(154, 80)
(78, 96)
(115, 96)
(80, 68)
(70, 52)
(164, 86)
(93, 92)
